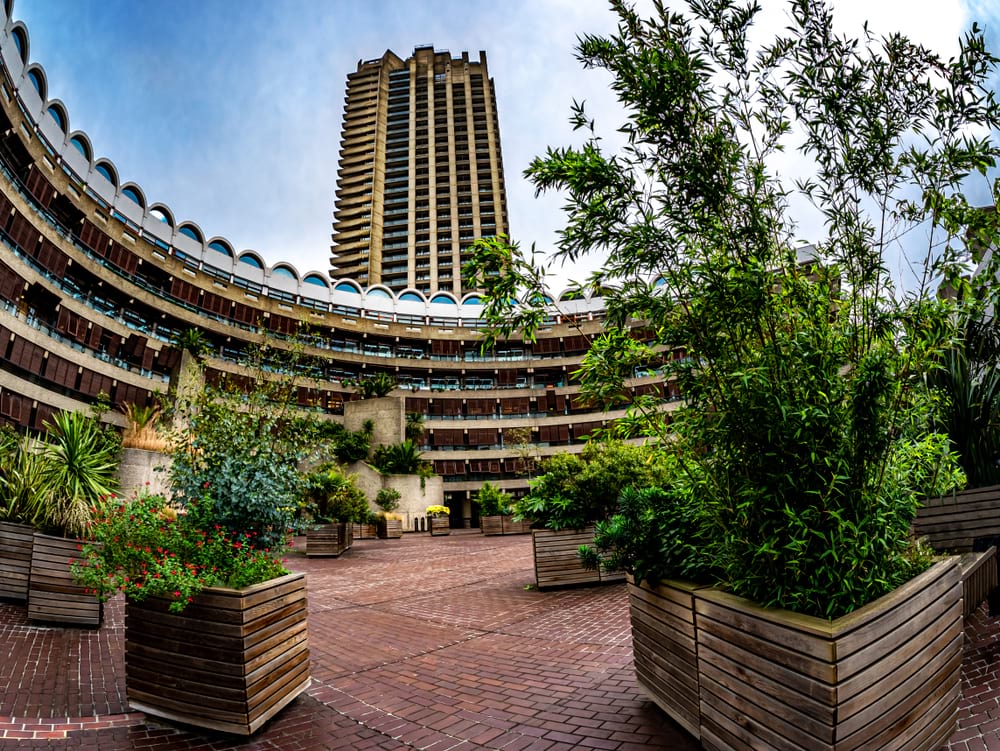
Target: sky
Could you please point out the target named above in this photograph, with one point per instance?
(229, 111)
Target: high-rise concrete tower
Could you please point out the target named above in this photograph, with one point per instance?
(420, 174)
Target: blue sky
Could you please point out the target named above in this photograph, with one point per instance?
(229, 111)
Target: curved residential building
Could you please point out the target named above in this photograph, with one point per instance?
(96, 277)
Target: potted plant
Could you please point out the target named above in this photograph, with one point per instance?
(143, 459)
(335, 502)
(390, 525)
(20, 508)
(573, 492)
(495, 512)
(440, 522)
(803, 427)
(215, 626)
(78, 463)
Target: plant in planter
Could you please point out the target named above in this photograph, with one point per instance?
(78, 461)
(335, 503)
(803, 428)
(242, 651)
(20, 509)
(496, 516)
(440, 522)
(390, 525)
(573, 492)
(374, 386)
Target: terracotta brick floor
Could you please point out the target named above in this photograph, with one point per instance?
(419, 643)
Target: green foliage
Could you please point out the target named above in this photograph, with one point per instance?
(144, 548)
(803, 432)
(414, 430)
(493, 501)
(400, 459)
(575, 490)
(239, 445)
(192, 341)
(332, 496)
(346, 445)
(375, 385)
(79, 463)
(387, 499)
(21, 472)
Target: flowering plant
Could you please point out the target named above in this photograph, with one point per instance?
(145, 548)
(438, 510)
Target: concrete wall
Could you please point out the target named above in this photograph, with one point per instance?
(388, 413)
(138, 471)
(413, 500)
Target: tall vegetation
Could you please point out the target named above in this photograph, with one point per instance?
(803, 429)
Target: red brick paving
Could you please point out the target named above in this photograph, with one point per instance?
(419, 643)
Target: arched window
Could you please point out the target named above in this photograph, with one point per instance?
(21, 42)
(347, 287)
(133, 195)
(283, 271)
(315, 279)
(379, 292)
(413, 296)
(221, 247)
(81, 145)
(161, 215)
(472, 300)
(59, 117)
(251, 260)
(105, 170)
(38, 81)
(446, 299)
(192, 232)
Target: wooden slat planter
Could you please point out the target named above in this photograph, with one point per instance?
(390, 529)
(53, 595)
(979, 578)
(231, 661)
(557, 562)
(664, 648)
(329, 539)
(15, 560)
(364, 531)
(503, 525)
(440, 525)
(885, 676)
(954, 522)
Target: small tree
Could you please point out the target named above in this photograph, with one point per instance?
(387, 499)
(803, 428)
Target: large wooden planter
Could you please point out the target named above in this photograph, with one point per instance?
(503, 525)
(329, 539)
(53, 595)
(390, 529)
(15, 560)
(885, 676)
(440, 525)
(665, 652)
(231, 661)
(364, 531)
(955, 522)
(557, 561)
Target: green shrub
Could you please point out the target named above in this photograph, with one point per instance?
(332, 496)
(399, 459)
(493, 501)
(387, 499)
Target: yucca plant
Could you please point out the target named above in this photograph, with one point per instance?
(141, 427)
(79, 460)
(399, 459)
(21, 465)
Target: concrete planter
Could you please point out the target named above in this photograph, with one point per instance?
(329, 539)
(15, 560)
(53, 595)
(231, 661)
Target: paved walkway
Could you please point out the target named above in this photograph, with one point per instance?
(420, 643)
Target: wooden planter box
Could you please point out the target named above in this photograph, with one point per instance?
(15, 560)
(955, 522)
(53, 595)
(557, 562)
(329, 539)
(229, 662)
(440, 525)
(503, 525)
(885, 676)
(390, 529)
(665, 652)
(364, 531)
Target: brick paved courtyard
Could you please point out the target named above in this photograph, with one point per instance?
(419, 643)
